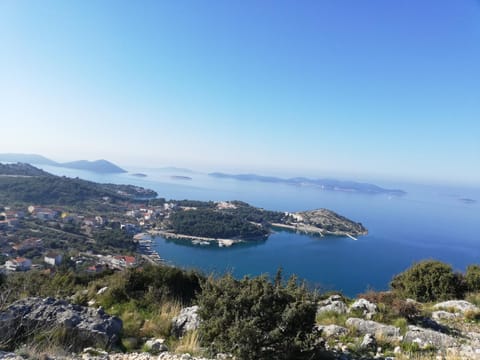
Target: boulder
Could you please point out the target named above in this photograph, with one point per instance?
(331, 330)
(333, 304)
(443, 315)
(371, 327)
(156, 346)
(367, 308)
(460, 306)
(369, 342)
(83, 326)
(425, 337)
(187, 320)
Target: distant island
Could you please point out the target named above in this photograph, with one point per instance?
(180, 177)
(323, 184)
(98, 166)
(468, 201)
(140, 175)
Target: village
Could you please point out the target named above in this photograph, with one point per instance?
(45, 238)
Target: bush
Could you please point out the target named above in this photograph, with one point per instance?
(428, 280)
(472, 277)
(257, 319)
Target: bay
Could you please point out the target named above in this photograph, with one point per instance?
(428, 222)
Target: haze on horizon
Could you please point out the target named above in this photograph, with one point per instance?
(361, 89)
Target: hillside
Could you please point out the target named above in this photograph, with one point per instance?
(39, 187)
(21, 169)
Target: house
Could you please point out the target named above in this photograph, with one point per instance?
(18, 264)
(122, 261)
(28, 244)
(53, 259)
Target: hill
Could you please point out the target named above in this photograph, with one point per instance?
(27, 184)
(21, 169)
(98, 166)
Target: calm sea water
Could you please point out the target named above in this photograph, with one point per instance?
(428, 222)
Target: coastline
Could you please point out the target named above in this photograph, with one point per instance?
(198, 239)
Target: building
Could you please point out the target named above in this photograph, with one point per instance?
(18, 264)
(53, 259)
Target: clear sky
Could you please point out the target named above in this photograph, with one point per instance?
(373, 88)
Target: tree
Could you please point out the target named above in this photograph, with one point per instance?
(428, 280)
(472, 277)
(255, 319)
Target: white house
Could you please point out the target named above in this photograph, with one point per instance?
(53, 259)
(18, 264)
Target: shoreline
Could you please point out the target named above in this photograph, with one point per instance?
(198, 239)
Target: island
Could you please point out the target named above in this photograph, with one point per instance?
(97, 166)
(468, 201)
(140, 175)
(180, 177)
(322, 184)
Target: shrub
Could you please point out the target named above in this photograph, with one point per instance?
(472, 277)
(257, 319)
(428, 280)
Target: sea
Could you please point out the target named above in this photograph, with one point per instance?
(429, 222)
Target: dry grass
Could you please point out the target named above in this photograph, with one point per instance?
(160, 323)
(189, 343)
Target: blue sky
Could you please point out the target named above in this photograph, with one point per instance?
(346, 88)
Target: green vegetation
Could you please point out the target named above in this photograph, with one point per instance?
(255, 319)
(237, 220)
(429, 280)
(214, 224)
(472, 277)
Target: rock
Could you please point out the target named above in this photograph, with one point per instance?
(331, 330)
(367, 308)
(187, 320)
(9, 356)
(460, 306)
(102, 290)
(156, 346)
(397, 350)
(425, 337)
(372, 327)
(333, 304)
(443, 315)
(368, 342)
(83, 325)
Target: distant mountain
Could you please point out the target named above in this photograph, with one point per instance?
(98, 166)
(324, 184)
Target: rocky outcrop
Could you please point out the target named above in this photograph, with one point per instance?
(369, 342)
(333, 304)
(81, 326)
(187, 320)
(371, 327)
(156, 346)
(424, 337)
(460, 306)
(365, 307)
(441, 315)
(331, 330)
